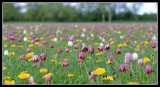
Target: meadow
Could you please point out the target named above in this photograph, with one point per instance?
(82, 53)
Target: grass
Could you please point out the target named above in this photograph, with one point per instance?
(14, 65)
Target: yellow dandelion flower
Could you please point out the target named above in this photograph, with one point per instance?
(4, 68)
(33, 83)
(88, 57)
(28, 37)
(146, 75)
(6, 77)
(12, 53)
(154, 62)
(124, 44)
(5, 38)
(28, 40)
(112, 42)
(52, 39)
(13, 45)
(41, 38)
(98, 61)
(77, 40)
(53, 60)
(5, 45)
(146, 59)
(145, 42)
(21, 46)
(70, 51)
(99, 71)
(96, 43)
(109, 34)
(19, 35)
(105, 78)
(43, 70)
(49, 74)
(31, 45)
(37, 43)
(108, 61)
(9, 82)
(70, 75)
(132, 83)
(30, 59)
(65, 59)
(120, 45)
(23, 75)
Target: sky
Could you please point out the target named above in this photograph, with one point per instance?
(146, 7)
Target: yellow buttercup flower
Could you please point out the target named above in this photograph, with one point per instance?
(37, 43)
(30, 59)
(23, 75)
(5, 38)
(98, 61)
(5, 45)
(108, 61)
(112, 42)
(52, 39)
(43, 70)
(13, 45)
(31, 45)
(9, 82)
(29, 37)
(70, 75)
(49, 74)
(28, 40)
(4, 68)
(6, 77)
(12, 53)
(109, 34)
(146, 42)
(146, 59)
(21, 46)
(99, 71)
(96, 43)
(120, 45)
(132, 83)
(100, 53)
(70, 51)
(41, 38)
(124, 44)
(29, 54)
(53, 60)
(65, 59)
(108, 78)
(88, 57)
(77, 40)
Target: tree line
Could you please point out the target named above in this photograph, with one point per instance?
(83, 12)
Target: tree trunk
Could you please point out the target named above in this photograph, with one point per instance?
(110, 16)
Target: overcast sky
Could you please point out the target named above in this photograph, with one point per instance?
(146, 7)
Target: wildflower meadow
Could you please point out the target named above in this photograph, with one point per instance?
(80, 53)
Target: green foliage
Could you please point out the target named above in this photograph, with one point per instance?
(84, 12)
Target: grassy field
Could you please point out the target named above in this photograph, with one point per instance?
(13, 65)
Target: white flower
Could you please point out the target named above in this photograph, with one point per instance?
(6, 52)
(36, 28)
(101, 44)
(57, 31)
(25, 38)
(84, 29)
(76, 25)
(55, 39)
(70, 43)
(121, 37)
(119, 32)
(24, 31)
(31, 33)
(92, 35)
(134, 56)
(154, 38)
(100, 37)
(103, 40)
(82, 35)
